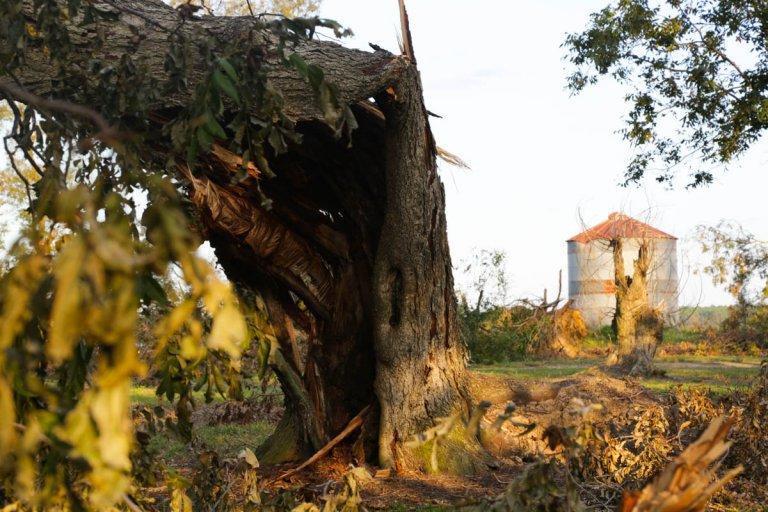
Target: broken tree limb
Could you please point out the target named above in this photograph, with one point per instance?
(354, 424)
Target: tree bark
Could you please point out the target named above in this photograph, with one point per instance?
(351, 258)
(420, 361)
(143, 31)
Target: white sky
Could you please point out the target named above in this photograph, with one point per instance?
(541, 159)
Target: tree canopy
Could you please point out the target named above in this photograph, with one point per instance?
(697, 78)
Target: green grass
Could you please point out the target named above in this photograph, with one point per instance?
(226, 440)
(229, 439)
(721, 374)
(603, 338)
(678, 335)
(145, 395)
(536, 369)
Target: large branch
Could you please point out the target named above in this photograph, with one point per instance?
(143, 29)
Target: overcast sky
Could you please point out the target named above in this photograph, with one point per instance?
(541, 159)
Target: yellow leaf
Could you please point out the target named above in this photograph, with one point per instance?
(216, 294)
(110, 409)
(191, 349)
(108, 487)
(173, 322)
(180, 502)
(26, 463)
(126, 364)
(306, 507)
(79, 432)
(22, 282)
(31, 30)
(249, 457)
(228, 332)
(66, 314)
(7, 421)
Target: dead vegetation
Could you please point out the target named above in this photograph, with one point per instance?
(751, 436)
(581, 443)
(690, 480)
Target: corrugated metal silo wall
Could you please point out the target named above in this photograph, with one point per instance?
(591, 278)
(590, 281)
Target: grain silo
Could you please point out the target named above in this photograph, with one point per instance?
(591, 283)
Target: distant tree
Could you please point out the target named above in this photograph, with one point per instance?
(739, 262)
(480, 302)
(487, 279)
(702, 64)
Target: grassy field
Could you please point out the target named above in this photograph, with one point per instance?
(720, 374)
(227, 440)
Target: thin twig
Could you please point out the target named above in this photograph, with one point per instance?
(107, 133)
(131, 504)
(17, 130)
(12, 160)
(250, 8)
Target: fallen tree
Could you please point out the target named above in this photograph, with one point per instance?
(310, 168)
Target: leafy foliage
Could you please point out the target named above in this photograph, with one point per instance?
(105, 225)
(739, 260)
(502, 334)
(537, 488)
(750, 437)
(740, 263)
(696, 74)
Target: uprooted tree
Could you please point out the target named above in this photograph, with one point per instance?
(638, 326)
(309, 167)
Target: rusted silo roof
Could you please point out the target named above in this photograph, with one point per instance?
(619, 225)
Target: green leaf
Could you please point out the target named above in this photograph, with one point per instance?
(214, 128)
(298, 63)
(228, 69)
(192, 151)
(149, 290)
(315, 76)
(204, 138)
(225, 85)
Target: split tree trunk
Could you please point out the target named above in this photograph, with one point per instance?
(352, 258)
(420, 361)
(637, 325)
